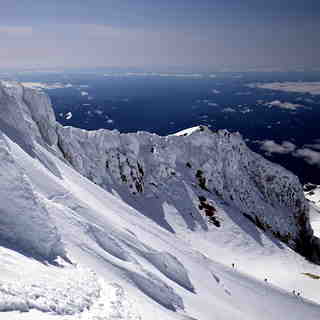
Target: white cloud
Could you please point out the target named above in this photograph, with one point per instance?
(228, 110)
(315, 146)
(307, 100)
(43, 85)
(246, 110)
(154, 74)
(310, 156)
(303, 87)
(270, 146)
(284, 105)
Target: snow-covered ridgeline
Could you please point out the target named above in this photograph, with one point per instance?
(26, 115)
(217, 166)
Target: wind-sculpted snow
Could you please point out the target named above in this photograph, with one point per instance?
(73, 291)
(158, 290)
(171, 267)
(24, 221)
(113, 303)
(68, 291)
(14, 119)
(26, 115)
(108, 243)
(42, 114)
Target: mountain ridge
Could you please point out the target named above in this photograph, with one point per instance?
(223, 166)
(171, 246)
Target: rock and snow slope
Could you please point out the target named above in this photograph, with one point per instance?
(214, 167)
(312, 193)
(160, 236)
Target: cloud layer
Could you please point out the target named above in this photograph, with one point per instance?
(308, 152)
(284, 105)
(310, 156)
(299, 87)
(270, 146)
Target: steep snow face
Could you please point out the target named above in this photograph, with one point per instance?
(42, 114)
(24, 221)
(216, 166)
(26, 115)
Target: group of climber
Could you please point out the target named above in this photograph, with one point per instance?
(294, 292)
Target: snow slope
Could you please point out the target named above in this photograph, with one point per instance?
(79, 251)
(313, 196)
(24, 220)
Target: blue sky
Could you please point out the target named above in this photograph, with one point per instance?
(191, 34)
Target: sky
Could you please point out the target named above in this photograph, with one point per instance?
(149, 34)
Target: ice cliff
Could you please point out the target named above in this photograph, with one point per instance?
(24, 221)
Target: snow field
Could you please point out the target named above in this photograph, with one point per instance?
(66, 292)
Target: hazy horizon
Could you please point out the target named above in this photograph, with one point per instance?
(186, 34)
